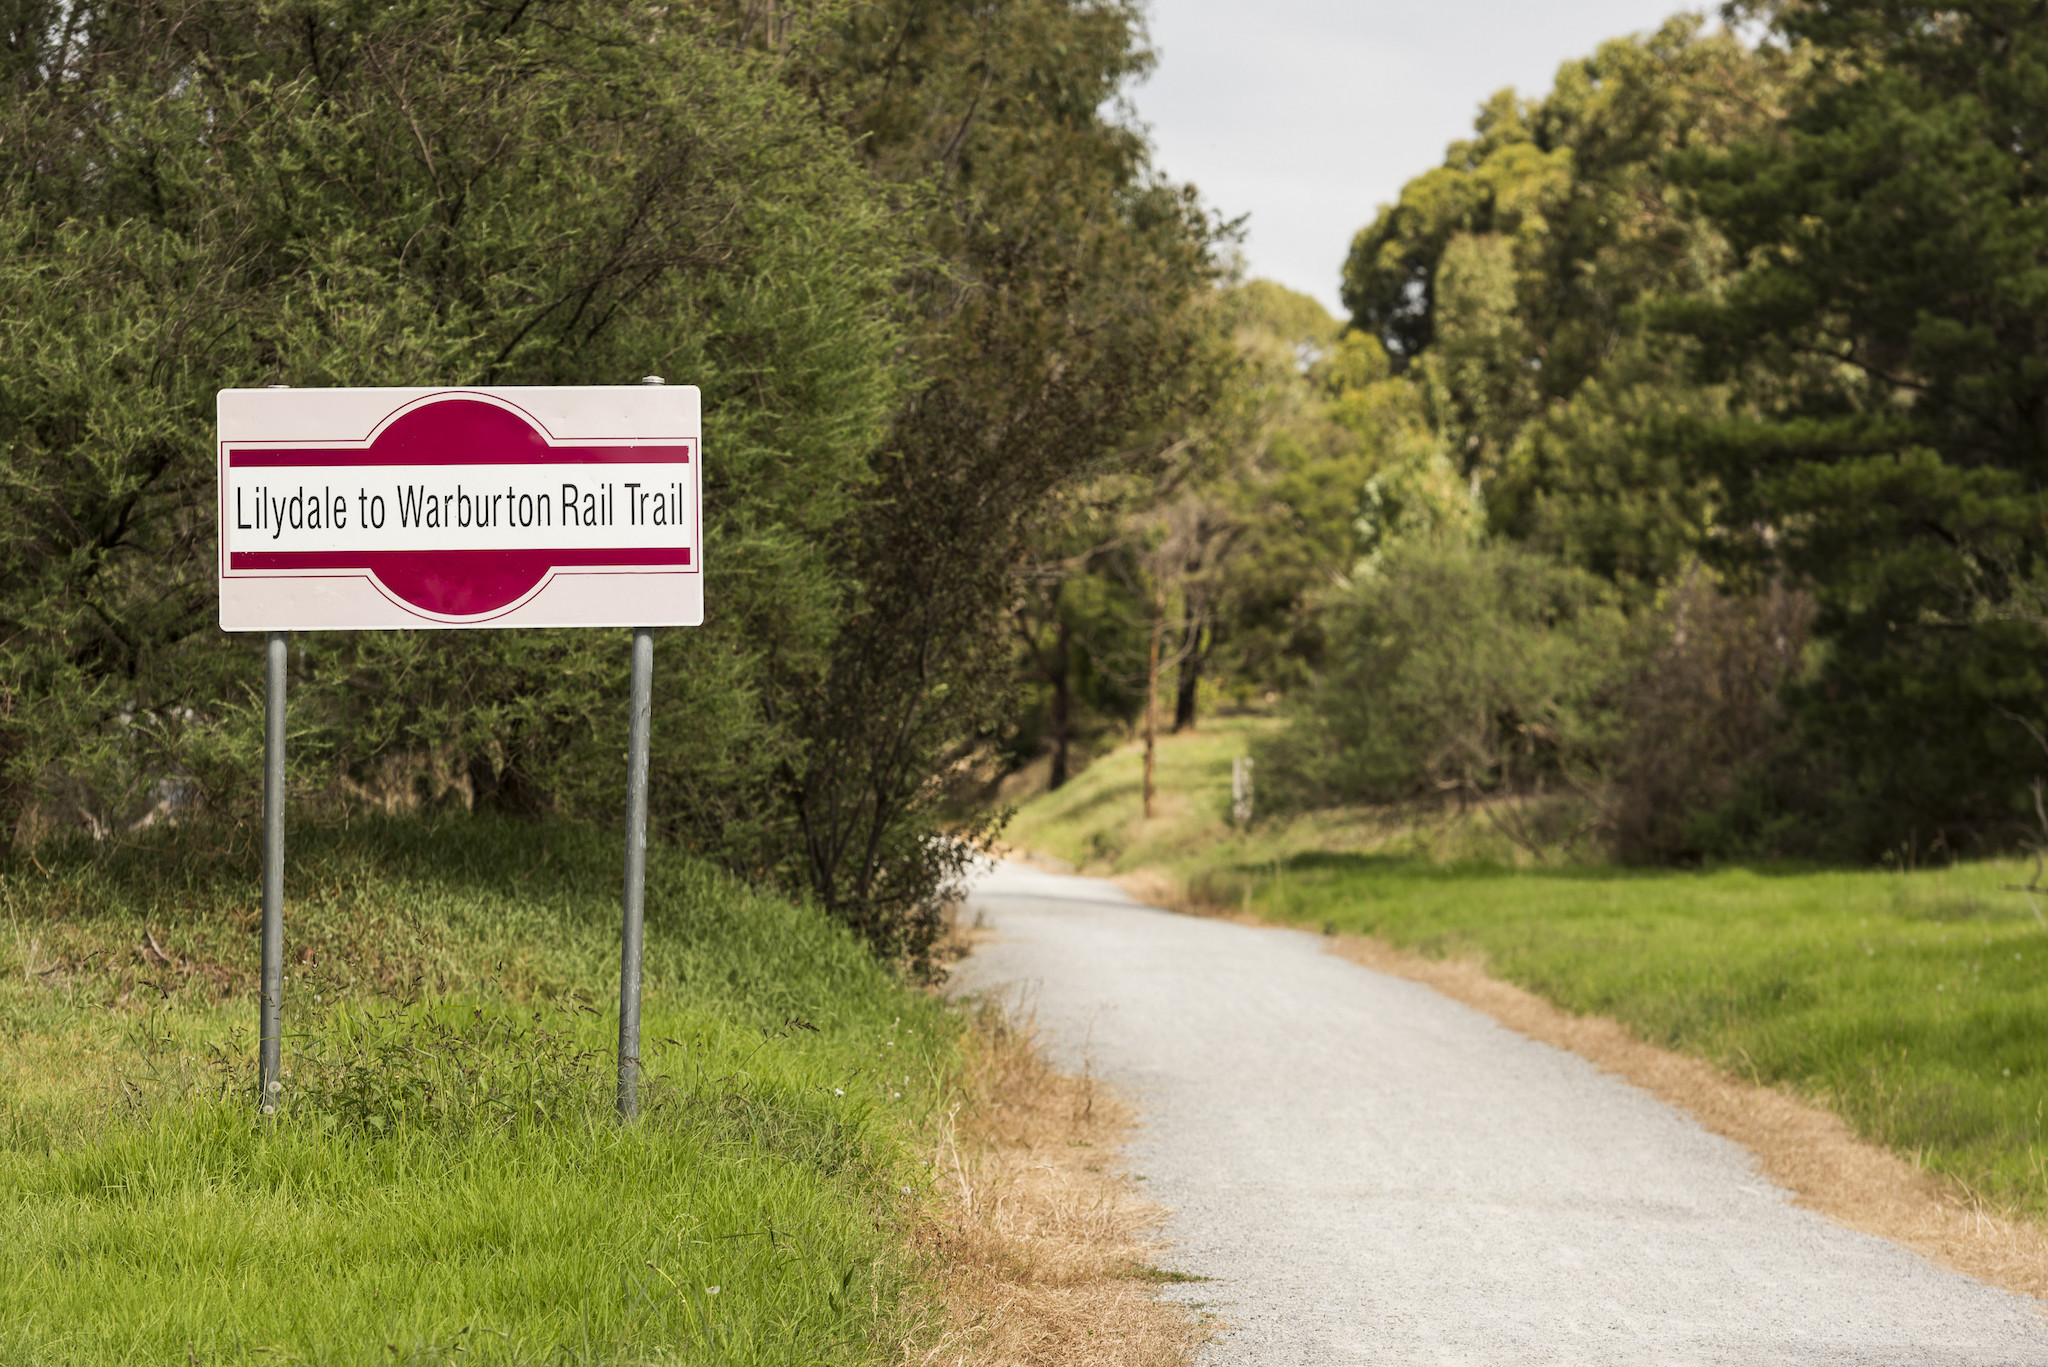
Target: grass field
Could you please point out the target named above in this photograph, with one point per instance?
(445, 1180)
(1914, 1003)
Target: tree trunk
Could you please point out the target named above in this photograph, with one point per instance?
(1152, 693)
(1061, 721)
(509, 790)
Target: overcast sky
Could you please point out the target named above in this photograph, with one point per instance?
(1309, 114)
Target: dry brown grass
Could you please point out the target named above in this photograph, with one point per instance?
(1046, 1248)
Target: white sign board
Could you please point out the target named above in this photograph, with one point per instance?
(346, 509)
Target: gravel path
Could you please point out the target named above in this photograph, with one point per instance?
(1371, 1173)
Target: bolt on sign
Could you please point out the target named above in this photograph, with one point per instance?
(343, 509)
(354, 509)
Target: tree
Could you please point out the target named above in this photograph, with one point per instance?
(1275, 494)
(1525, 521)
(919, 267)
(1051, 328)
(1075, 617)
(1509, 284)
(1198, 564)
(1456, 670)
(1888, 329)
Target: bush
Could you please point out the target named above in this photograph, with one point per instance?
(1459, 671)
(921, 271)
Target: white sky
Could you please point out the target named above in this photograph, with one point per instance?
(1309, 114)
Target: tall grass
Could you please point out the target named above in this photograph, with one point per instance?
(444, 1178)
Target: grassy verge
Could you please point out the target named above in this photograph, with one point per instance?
(1914, 1004)
(444, 1179)
(1096, 821)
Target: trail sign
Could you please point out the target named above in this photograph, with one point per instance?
(350, 509)
(354, 508)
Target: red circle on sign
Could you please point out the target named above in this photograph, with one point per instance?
(461, 583)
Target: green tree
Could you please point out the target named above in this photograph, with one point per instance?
(1509, 285)
(1887, 329)
(919, 266)
(1214, 549)
(1052, 329)
(1076, 624)
(1523, 520)
(1286, 480)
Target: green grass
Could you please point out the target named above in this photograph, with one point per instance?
(1914, 1004)
(444, 1179)
(1097, 822)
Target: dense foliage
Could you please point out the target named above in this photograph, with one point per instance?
(1054, 333)
(1737, 339)
(1768, 319)
(920, 273)
(1888, 324)
(1455, 671)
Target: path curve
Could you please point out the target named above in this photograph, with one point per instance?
(1372, 1173)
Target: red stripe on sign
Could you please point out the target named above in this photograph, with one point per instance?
(322, 456)
(363, 560)
(459, 432)
(461, 583)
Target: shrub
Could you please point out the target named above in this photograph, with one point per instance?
(1455, 671)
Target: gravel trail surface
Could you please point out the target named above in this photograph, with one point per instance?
(1371, 1173)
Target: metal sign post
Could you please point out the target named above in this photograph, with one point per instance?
(636, 872)
(268, 1037)
(352, 509)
